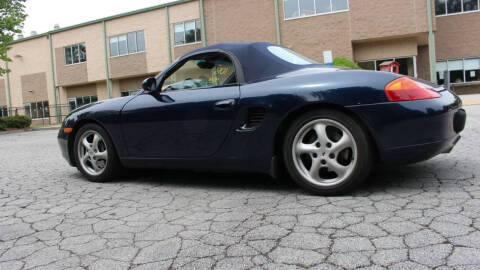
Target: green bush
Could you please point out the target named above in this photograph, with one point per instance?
(17, 121)
(344, 62)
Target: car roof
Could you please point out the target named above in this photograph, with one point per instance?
(256, 61)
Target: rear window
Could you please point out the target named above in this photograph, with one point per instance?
(290, 56)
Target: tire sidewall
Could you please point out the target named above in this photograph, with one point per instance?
(364, 155)
(112, 160)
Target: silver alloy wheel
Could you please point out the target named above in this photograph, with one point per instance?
(324, 152)
(92, 152)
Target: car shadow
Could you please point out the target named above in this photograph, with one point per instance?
(382, 179)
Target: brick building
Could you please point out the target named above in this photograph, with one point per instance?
(109, 57)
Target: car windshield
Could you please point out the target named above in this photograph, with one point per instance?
(290, 56)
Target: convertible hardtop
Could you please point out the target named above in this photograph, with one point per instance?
(256, 60)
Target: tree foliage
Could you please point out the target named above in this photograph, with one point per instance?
(343, 62)
(12, 16)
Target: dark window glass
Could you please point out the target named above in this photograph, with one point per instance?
(124, 94)
(440, 8)
(132, 42)
(72, 104)
(76, 54)
(68, 56)
(323, 6)
(83, 52)
(368, 65)
(339, 5)
(406, 66)
(46, 111)
(190, 32)
(122, 45)
(79, 101)
(197, 30)
(470, 5)
(140, 41)
(34, 110)
(179, 33)
(456, 71)
(290, 8)
(93, 99)
(454, 6)
(307, 7)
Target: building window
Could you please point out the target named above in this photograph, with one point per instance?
(3, 111)
(445, 7)
(407, 65)
(460, 70)
(128, 93)
(303, 8)
(75, 54)
(78, 102)
(129, 43)
(187, 32)
(37, 110)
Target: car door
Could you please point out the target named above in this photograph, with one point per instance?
(191, 113)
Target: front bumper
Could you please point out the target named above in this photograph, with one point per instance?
(64, 147)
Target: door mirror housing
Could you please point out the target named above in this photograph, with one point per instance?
(149, 84)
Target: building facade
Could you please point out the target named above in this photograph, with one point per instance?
(55, 72)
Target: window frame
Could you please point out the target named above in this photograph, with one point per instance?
(315, 11)
(463, 70)
(198, 39)
(128, 50)
(456, 13)
(414, 57)
(74, 99)
(45, 106)
(70, 47)
(238, 70)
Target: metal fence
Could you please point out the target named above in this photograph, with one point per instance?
(41, 115)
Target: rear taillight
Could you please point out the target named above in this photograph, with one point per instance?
(404, 89)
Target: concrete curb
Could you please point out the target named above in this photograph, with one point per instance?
(29, 129)
(45, 128)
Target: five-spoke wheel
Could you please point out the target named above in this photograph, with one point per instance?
(327, 152)
(95, 155)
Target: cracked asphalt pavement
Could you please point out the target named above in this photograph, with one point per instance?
(420, 216)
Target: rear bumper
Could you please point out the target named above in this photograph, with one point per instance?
(414, 131)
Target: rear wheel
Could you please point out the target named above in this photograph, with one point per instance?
(327, 152)
(95, 155)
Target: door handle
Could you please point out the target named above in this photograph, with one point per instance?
(224, 104)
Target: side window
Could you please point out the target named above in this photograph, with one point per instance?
(206, 70)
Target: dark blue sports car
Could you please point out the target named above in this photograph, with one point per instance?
(260, 107)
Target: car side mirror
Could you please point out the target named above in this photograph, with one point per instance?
(149, 84)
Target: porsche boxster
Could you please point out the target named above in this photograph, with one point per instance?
(261, 107)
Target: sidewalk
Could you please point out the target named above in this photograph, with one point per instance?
(473, 99)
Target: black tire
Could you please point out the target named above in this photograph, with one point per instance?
(113, 165)
(364, 152)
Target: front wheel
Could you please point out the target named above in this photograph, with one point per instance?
(327, 152)
(94, 153)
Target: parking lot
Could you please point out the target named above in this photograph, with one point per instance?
(412, 217)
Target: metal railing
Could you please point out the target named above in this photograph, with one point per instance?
(49, 115)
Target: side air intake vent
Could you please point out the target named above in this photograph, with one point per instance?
(255, 117)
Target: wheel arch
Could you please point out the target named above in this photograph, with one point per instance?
(296, 113)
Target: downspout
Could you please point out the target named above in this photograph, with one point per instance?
(169, 41)
(277, 22)
(52, 68)
(431, 44)
(202, 19)
(105, 52)
(8, 87)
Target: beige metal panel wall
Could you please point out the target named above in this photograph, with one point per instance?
(154, 26)
(180, 13)
(458, 36)
(380, 18)
(34, 87)
(313, 35)
(81, 90)
(30, 57)
(240, 21)
(386, 49)
(92, 35)
(3, 93)
(423, 63)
